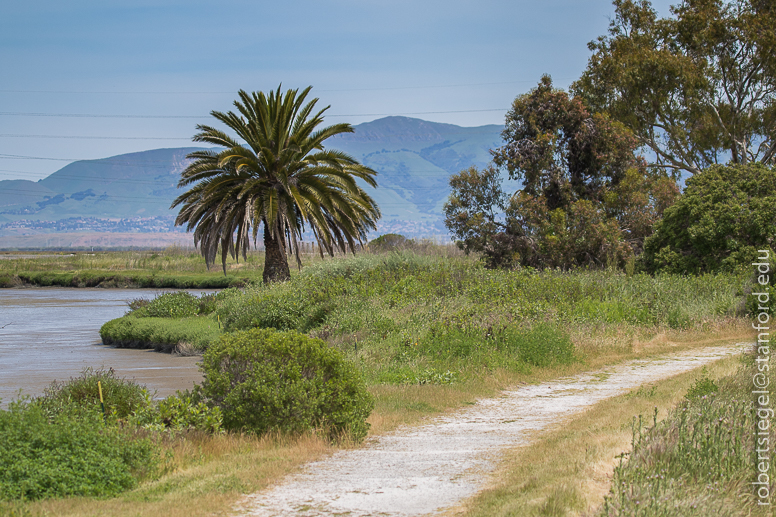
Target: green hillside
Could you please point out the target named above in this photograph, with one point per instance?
(414, 159)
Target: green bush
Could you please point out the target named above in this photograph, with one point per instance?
(73, 454)
(389, 242)
(122, 397)
(297, 305)
(162, 334)
(171, 305)
(725, 215)
(265, 380)
(180, 412)
(702, 387)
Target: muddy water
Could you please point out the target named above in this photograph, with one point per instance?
(51, 334)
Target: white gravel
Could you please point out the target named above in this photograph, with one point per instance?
(424, 469)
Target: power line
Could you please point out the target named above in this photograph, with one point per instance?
(8, 135)
(89, 115)
(382, 88)
(92, 115)
(81, 137)
(94, 161)
(417, 113)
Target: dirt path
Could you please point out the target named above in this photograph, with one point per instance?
(424, 469)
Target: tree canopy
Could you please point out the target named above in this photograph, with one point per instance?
(698, 88)
(276, 174)
(561, 150)
(726, 214)
(587, 199)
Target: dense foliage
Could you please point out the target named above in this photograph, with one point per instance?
(726, 214)
(60, 445)
(267, 380)
(179, 304)
(561, 151)
(392, 313)
(121, 397)
(389, 242)
(587, 200)
(180, 412)
(162, 334)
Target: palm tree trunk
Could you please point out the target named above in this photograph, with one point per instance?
(275, 260)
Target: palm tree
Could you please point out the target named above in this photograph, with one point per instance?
(277, 175)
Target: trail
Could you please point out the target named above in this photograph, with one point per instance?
(424, 469)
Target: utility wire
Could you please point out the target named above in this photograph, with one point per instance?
(94, 115)
(10, 135)
(382, 88)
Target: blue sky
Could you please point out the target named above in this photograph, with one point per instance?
(150, 71)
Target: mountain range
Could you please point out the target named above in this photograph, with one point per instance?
(414, 159)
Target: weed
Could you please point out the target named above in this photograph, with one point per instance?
(696, 459)
(122, 397)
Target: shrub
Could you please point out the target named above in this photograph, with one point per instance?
(74, 454)
(122, 397)
(171, 305)
(162, 334)
(389, 242)
(136, 304)
(207, 303)
(268, 380)
(725, 215)
(180, 412)
(702, 387)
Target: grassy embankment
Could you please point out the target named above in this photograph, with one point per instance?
(173, 268)
(430, 334)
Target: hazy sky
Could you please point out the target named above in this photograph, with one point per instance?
(148, 72)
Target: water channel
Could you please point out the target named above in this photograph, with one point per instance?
(49, 334)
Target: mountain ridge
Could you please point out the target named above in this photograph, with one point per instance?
(414, 159)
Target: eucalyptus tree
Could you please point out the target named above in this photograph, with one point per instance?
(698, 88)
(276, 174)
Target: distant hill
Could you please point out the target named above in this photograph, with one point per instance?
(414, 159)
(129, 185)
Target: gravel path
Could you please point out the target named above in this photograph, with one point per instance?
(420, 470)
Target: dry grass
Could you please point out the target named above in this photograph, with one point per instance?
(537, 480)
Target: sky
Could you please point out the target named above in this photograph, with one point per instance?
(93, 79)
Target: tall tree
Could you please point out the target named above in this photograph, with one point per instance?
(587, 199)
(560, 150)
(697, 89)
(276, 174)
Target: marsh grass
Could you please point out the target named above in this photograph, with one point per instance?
(403, 316)
(173, 267)
(181, 335)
